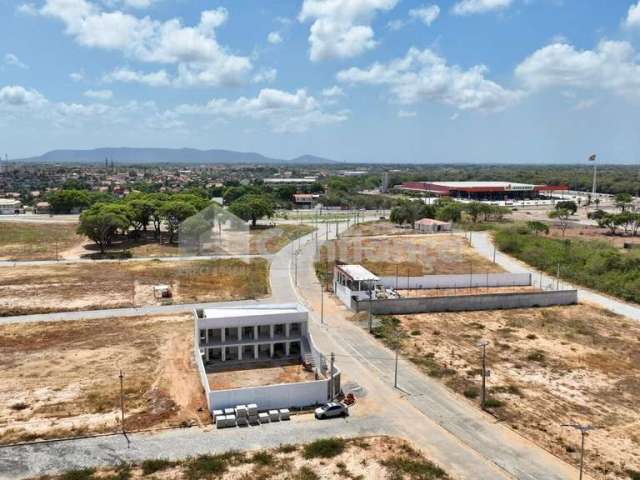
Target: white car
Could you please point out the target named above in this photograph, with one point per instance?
(331, 410)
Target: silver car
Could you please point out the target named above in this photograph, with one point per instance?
(331, 410)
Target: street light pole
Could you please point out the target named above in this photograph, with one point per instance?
(483, 398)
(583, 429)
(594, 193)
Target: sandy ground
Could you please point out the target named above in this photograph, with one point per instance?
(46, 288)
(449, 292)
(595, 233)
(258, 375)
(409, 254)
(374, 458)
(380, 227)
(549, 366)
(37, 241)
(62, 378)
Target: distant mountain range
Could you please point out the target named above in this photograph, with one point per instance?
(186, 156)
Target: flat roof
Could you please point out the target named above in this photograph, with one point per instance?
(248, 310)
(497, 186)
(481, 184)
(9, 201)
(431, 221)
(357, 272)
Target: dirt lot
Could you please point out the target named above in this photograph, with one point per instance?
(450, 292)
(89, 286)
(408, 254)
(373, 458)
(595, 233)
(37, 241)
(61, 378)
(549, 366)
(381, 227)
(259, 375)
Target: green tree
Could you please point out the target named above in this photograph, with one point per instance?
(253, 207)
(623, 201)
(562, 216)
(101, 225)
(194, 230)
(449, 212)
(174, 213)
(65, 201)
(568, 205)
(142, 211)
(537, 227)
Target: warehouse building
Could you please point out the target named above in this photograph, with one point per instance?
(10, 206)
(483, 191)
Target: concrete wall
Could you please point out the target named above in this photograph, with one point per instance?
(458, 281)
(290, 395)
(495, 301)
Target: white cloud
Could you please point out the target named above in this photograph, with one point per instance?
(27, 9)
(427, 14)
(16, 96)
(200, 59)
(612, 66)
(274, 38)
(76, 76)
(154, 79)
(283, 111)
(266, 76)
(395, 25)
(99, 94)
(406, 114)
(424, 76)
(633, 17)
(585, 104)
(13, 61)
(470, 7)
(341, 28)
(333, 92)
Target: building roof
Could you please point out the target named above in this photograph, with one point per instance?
(250, 311)
(304, 197)
(291, 180)
(431, 221)
(9, 201)
(357, 273)
(446, 187)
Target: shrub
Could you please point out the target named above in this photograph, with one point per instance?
(536, 356)
(418, 469)
(287, 448)
(493, 403)
(532, 336)
(81, 474)
(206, 466)
(156, 465)
(305, 473)
(471, 392)
(324, 448)
(262, 458)
(415, 333)
(633, 474)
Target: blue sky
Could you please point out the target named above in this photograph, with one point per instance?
(482, 81)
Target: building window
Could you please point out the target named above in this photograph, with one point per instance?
(264, 351)
(231, 334)
(231, 354)
(294, 349)
(294, 330)
(279, 330)
(248, 352)
(203, 336)
(247, 333)
(264, 331)
(279, 350)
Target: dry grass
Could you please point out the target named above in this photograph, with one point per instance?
(376, 228)
(408, 255)
(46, 288)
(327, 459)
(36, 241)
(272, 240)
(548, 366)
(61, 378)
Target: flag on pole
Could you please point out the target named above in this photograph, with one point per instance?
(592, 158)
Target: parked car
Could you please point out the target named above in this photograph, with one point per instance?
(331, 410)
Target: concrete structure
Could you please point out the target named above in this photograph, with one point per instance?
(305, 200)
(42, 208)
(461, 303)
(259, 337)
(290, 181)
(10, 206)
(489, 191)
(475, 280)
(429, 225)
(354, 281)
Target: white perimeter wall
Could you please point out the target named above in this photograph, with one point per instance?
(458, 281)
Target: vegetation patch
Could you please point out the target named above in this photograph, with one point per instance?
(324, 448)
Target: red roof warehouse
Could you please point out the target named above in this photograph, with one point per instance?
(481, 190)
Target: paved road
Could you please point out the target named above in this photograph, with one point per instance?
(483, 243)
(454, 433)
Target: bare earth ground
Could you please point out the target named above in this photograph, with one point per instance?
(408, 254)
(549, 366)
(256, 376)
(595, 233)
(62, 378)
(266, 240)
(374, 458)
(381, 227)
(37, 241)
(47, 288)
(450, 292)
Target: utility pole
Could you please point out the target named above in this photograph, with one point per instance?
(370, 317)
(558, 278)
(124, 431)
(396, 277)
(483, 398)
(494, 253)
(594, 193)
(583, 429)
(337, 232)
(395, 373)
(322, 300)
(296, 266)
(326, 226)
(331, 390)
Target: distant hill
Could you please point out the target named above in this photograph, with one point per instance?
(187, 156)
